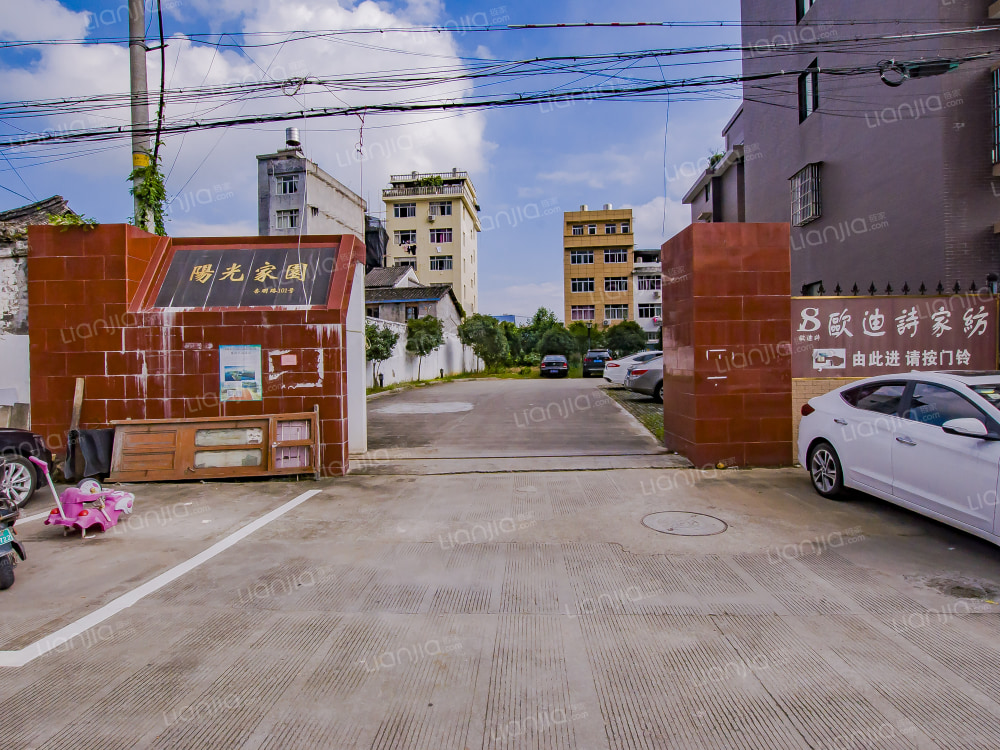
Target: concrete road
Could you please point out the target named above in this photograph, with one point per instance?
(493, 425)
(532, 609)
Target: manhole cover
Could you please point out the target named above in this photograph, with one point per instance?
(439, 407)
(682, 523)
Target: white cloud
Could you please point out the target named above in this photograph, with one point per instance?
(602, 170)
(428, 142)
(41, 19)
(652, 228)
(522, 299)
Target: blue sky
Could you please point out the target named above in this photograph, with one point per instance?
(528, 164)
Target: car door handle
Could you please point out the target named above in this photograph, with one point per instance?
(905, 441)
(841, 421)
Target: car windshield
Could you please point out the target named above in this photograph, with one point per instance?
(989, 391)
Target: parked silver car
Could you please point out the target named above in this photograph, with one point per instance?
(647, 377)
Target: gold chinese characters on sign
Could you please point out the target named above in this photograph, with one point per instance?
(205, 273)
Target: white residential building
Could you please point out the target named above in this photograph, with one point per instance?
(433, 226)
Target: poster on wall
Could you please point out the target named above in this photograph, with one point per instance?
(856, 337)
(240, 373)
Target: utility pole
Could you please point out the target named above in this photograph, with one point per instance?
(140, 98)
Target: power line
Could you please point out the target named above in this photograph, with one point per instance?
(648, 90)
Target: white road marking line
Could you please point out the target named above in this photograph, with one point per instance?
(29, 519)
(66, 634)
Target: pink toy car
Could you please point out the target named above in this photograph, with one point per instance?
(86, 505)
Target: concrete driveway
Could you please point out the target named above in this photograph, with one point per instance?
(495, 425)
(525, 609)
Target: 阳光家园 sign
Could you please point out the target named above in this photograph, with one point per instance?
(845, 337)
(248, 277)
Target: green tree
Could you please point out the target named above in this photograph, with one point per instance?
(586, 338)
(379, 344)
(531, 334)
(625, 338)
(423, 335)
(513, 335)
(557, 340)
(487, 339)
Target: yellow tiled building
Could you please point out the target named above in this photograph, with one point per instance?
(597, 266)
(433, 226)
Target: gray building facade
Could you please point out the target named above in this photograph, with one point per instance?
(295, 196)
(882, 184)
(719, 194)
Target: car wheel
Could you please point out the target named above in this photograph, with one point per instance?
(18, 480)
(6, 572)
(825, 471)
(658, 393)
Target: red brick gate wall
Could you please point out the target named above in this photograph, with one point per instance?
(162, 364)
(726, 341)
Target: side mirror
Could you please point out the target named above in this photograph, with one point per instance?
(966, 427)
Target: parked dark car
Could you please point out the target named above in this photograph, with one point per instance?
(594, 361)
(18, 478)
(554, 365)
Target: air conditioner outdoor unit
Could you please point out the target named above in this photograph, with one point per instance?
(430, 218)
(606, 321)
(656, 295)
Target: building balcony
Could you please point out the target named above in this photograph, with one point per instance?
(432, 191)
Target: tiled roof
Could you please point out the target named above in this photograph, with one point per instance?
(14, 223)
(385, 276)
(407, 293)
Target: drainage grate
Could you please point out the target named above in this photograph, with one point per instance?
(682, 523)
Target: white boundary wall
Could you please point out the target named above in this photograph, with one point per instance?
(401, 367)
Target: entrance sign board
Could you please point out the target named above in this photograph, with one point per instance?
(848, 337)
(248, 277)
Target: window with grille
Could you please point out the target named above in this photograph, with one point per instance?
(649, 311)
(405, 237)
(581, 312)
(626, 228)
(406, 263)
(440, 235)
(404, 210)
(616, 284)
(807, 202)
(809, 91)
(592, 229)
(581, 257)
(648, 283)
(412, 313)
(287, 219)
(616, 256)
(578, 230)
(288, 184)
(611, 229)
(440, 208)
(616, 312)
(441, 263)
(581, 285)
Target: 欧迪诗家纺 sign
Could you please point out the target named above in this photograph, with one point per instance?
(845, 337)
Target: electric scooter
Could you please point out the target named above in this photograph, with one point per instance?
(86, 505)
(10, 547)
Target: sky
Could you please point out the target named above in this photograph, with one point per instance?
(528, 164)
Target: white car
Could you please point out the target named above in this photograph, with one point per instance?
(615, 370)
(928, 441)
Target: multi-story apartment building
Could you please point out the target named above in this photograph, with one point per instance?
(597, 265)
(433, 225)
(882, 184)
(295, 196)
(647, 283)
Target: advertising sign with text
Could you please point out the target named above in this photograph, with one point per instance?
(856, 337)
